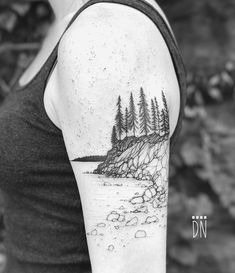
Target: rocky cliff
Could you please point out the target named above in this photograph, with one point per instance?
(142, 158)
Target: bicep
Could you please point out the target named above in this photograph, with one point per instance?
(122, 175)
(115, 121)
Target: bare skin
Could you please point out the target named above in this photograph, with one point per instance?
(63, 11)
(114, 91)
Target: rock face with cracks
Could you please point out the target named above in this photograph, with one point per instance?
(143, 158)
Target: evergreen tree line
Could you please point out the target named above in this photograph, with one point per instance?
(149, 120)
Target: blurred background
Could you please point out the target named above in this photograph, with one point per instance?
(202, 180)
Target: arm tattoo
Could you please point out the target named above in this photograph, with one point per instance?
(136, 169)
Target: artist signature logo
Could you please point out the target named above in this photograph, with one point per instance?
(199, 226)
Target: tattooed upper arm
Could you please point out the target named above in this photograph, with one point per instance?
(117, 91)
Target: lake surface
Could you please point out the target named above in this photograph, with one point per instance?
(111, 219)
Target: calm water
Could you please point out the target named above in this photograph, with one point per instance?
(110, 217)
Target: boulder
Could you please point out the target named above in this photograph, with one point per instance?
(140, 234)
(132, 222)
(151, 219)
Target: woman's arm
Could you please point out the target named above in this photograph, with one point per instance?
(114, 85)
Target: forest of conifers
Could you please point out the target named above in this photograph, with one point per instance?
(149, 119)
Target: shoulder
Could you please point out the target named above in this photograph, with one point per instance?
(112, 49)
(108, 29)
(116, 40)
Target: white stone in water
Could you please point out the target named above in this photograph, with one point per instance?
(132, 222)
(151, 219)
(140, 234)
(94, 232)
(101, 225)
(137, 200)
(113, 216)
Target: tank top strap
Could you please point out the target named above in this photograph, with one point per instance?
(167, 35)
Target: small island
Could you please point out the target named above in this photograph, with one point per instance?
(139, 146)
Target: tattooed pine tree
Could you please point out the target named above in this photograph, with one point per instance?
(165, 128)
(133, 121)
(157, 115)
(154, 117)
(126, 125)
(114, 136)
(119, 119)
(145, 126)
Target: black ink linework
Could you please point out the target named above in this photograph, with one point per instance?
(133, 120)
(138, 156)
(140, 143)
(142, 157)
(93, 158)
